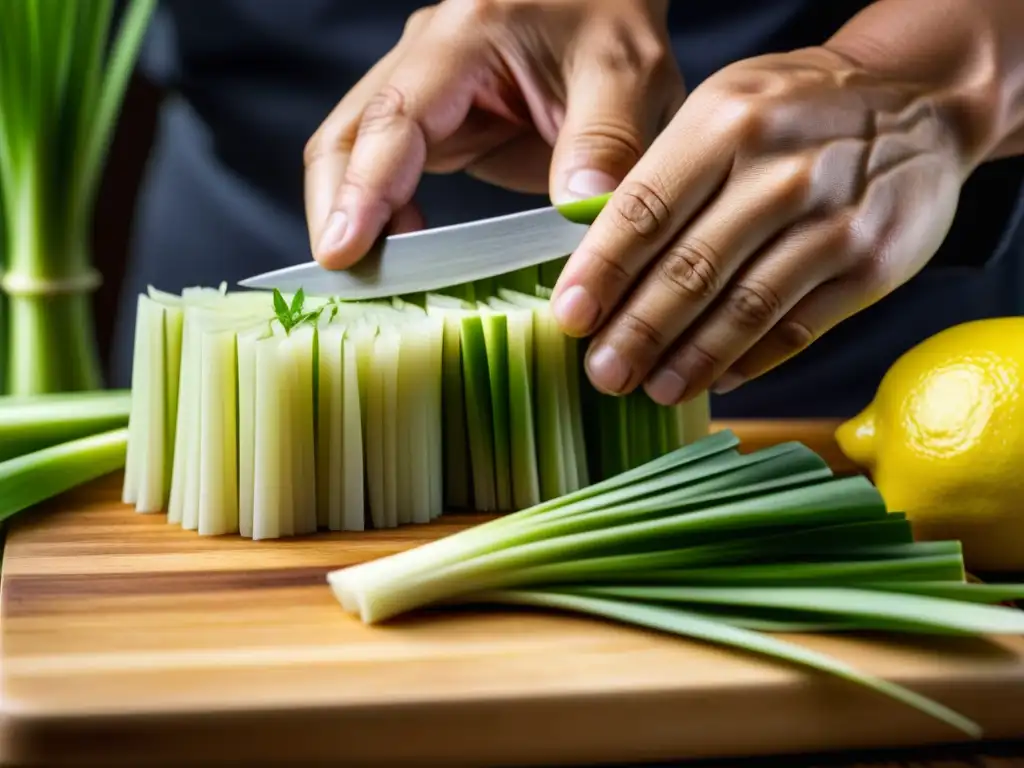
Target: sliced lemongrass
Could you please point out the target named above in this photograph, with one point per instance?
(353, 463)
(296, 355)
(495, 331)
(522, 440)
(218, 473)
(457, 486)
(150, 464)
(247, 428)
(479, 420)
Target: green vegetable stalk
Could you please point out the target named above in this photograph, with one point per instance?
(62, 81)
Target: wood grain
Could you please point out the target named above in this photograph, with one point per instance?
(126, 641)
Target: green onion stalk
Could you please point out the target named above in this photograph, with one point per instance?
(63, 75)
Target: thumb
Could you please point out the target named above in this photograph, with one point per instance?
(611, 117)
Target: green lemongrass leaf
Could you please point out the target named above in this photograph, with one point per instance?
(115, 82)
(908, 548)
(950, 590)
(790, 622)
(722, 478)
(841, 540)
(34, 477)
(693, 625)
(489, 536)
(850, 572)
(32, 423)
(387, 587)
(522, 528)
(913, 611)
(709, 446)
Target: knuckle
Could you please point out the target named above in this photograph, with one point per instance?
(609, 269)
(646, 337)
(481, 12)
(796, 183)
(753, 305)
(641, 208)
(793, 335)
(418, 21)
(313, 149)
(327, 139)
(625, 48)
(689, 269)
(877, 273)
(384, 108)
(701, 362)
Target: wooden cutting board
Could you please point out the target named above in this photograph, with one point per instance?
(126, 641)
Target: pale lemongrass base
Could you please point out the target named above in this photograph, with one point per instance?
(51, 345)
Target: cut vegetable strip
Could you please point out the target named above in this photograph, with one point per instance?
(385, 413)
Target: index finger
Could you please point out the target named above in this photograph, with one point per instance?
(327, 151)
(425, 100)
(673, 180)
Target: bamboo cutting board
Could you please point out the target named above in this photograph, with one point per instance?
(126, 641)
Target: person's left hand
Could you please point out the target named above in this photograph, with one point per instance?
(789, 192)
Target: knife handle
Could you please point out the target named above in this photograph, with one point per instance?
(584, 211)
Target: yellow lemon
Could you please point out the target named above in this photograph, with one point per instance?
(943, 440)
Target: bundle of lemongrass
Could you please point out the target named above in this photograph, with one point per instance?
(62, 80)
(711, 544)
(269, 416)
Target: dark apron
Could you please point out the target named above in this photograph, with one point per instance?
(250, 81)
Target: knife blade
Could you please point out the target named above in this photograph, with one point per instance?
(436, 258)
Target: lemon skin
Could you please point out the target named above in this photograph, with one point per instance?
(943, 440)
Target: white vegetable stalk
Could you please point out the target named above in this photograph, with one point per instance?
(267, 417)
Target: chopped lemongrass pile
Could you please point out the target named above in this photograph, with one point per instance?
(712, 544)
(269, 415)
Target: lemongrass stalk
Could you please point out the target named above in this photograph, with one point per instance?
(60, 94)
(35, 477)
(35, 422)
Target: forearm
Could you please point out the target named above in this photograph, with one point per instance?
(970, 51)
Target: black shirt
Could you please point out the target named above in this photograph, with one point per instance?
(250, 80)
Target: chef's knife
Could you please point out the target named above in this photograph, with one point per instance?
(436, 258)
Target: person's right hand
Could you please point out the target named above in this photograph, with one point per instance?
(562, 96)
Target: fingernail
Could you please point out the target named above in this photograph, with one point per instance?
(608, 370)
(333, 236)
(588, 183)
(727, 382)
(576, 311)
(666, 387)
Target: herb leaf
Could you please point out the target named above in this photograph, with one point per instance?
(281, 308)
(297, 301)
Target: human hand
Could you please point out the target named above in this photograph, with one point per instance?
(561, 96)
(789, 192)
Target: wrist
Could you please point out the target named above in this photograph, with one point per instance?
(962, 56)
